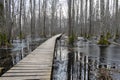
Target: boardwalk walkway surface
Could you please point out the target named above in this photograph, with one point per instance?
(36, 66)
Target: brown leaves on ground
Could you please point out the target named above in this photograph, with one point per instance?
(104, 74)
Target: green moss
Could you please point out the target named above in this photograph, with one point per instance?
(72, 39)
(21, 36)
(108, 35)
(88, 36)
(103, 40)
(4, 40)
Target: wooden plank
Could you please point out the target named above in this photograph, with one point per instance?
(36, 66)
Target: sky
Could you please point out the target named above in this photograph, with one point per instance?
(62, 2)
(64, 6)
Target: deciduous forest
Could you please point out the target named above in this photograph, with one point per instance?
(89, 48)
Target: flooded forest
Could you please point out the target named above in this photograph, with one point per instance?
(89, 48)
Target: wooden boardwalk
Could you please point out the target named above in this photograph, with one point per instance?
(36, 66)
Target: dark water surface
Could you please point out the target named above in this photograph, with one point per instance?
(9, 57)
(83, 61)
(60, 61)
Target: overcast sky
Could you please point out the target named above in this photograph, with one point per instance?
(64, 5)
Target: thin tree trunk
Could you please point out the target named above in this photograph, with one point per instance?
(69, 17)
(44, 17)
(20, 19)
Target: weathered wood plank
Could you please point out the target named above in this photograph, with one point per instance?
(36, 66)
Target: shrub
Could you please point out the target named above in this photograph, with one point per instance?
(72, 39)
(21, 36)
(103, 40)
(108, 35)
(3, 39)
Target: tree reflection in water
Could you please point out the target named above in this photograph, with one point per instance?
(84, 61)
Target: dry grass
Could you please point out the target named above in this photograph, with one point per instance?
(104, 74)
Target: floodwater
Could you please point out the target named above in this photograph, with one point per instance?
(60, 61)
(11, 56)
(83, 61)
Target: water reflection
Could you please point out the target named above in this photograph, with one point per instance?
(103, 55)
(60, 61)
(85, 60)
(10, 57)
(5, 60)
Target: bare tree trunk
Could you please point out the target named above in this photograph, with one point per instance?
(81, 18)
(53, 17)
(86, 13)
(33, 18)
(60, 18)
(69, 17)
(77, 18)
(20, 19)
(91, 17)
(1, 15)
(39, 21)
(8, 20)
(102, 16)
(44, 17)
(24, 18)
(107, 19)
(53, 11)
(116, 17)
(9, 29)
(73, 17)
(97, 18)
